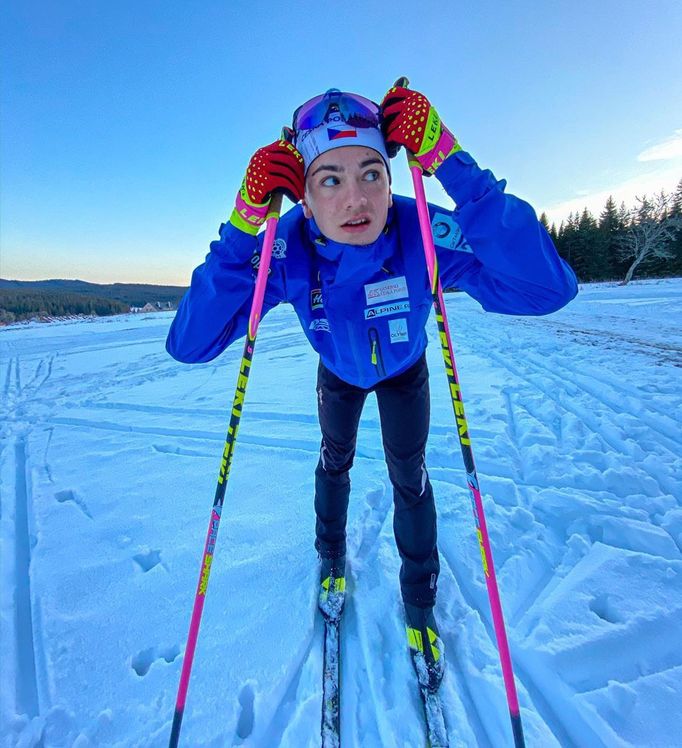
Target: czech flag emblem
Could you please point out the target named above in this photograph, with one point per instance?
(338, 134)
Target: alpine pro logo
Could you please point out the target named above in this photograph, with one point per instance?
(386, 309)
(394, 288)
(316, 299)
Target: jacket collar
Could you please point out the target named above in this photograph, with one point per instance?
(346, 262)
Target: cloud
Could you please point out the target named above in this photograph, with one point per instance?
(654, 178)
(625, 191)
(665, 150)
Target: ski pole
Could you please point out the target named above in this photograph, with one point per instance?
(465, 444)
(271, 221)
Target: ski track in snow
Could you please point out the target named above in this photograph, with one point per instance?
(108, 462)
(26, 689)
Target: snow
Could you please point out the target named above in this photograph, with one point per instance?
(110, 455)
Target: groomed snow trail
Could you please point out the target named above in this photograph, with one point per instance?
(108, 463)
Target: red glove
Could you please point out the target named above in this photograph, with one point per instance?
(409, 119)
(278, 166)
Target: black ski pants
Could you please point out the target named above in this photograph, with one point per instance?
(404, 410)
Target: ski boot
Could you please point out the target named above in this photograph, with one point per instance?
(426, 646)
(332, 593)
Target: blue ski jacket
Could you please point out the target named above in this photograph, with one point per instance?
(364, 308)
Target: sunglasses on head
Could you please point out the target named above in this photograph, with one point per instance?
(354, 110)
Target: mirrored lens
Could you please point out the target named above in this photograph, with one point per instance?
(354, 110)
(303, 112)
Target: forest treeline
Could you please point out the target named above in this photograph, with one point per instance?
(20, 300)
(131, 294)
(647, 235)
(17, 305)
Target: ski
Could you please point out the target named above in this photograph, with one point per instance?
(331, 695)
(436, 734)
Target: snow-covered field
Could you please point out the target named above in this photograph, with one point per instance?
(110, 453)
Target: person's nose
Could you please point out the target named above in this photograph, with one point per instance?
(355, 196)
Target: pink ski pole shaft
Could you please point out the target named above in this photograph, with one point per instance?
(465, 444)
(225, 464)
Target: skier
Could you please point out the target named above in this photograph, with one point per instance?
(350, 260)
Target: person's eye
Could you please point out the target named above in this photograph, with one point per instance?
(329, 181)
(372, 176)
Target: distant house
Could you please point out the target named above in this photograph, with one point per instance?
(157, 306)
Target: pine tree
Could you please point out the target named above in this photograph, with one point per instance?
(596, 263)
(572, 250)
(611, 229)
(676, 202)
(676, 243)
(565, 239)
(624, 216)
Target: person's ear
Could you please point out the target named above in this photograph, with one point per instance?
(306, 209)
(390, 197)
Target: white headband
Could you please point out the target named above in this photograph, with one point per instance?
(336, 134)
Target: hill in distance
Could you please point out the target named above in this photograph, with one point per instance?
(132, 294)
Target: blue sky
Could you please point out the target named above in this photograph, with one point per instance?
(127, 126)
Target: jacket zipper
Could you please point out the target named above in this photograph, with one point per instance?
(375, 351)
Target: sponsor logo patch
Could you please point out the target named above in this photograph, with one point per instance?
(398, 330)
(447, 233)
(316, 299)
(386, 309)
(393, 288)
(320, 325)
(279, 249)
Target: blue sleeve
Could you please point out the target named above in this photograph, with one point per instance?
(215, 310)
(504, 258)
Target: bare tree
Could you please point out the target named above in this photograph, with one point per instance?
(651, 229)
